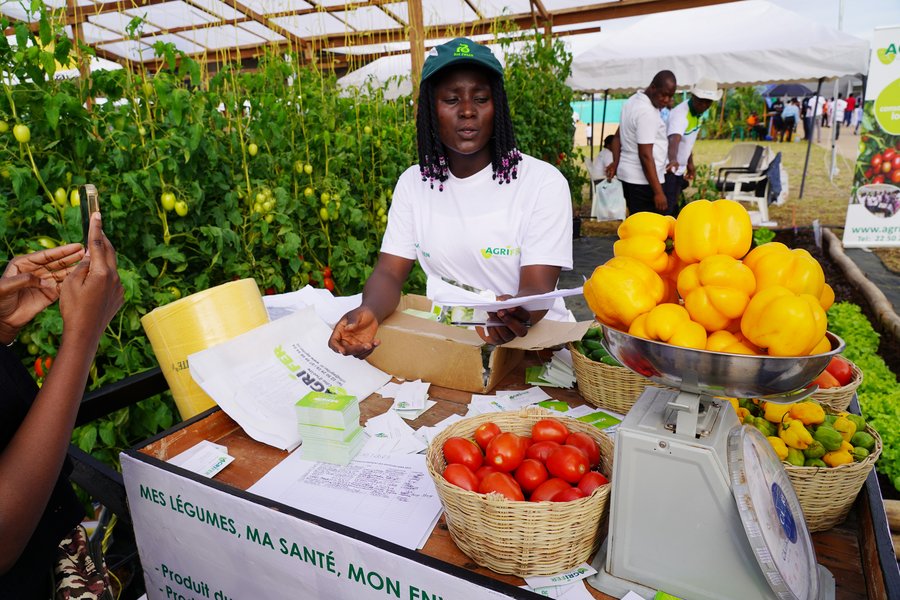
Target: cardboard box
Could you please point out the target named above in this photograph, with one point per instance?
(455, 357)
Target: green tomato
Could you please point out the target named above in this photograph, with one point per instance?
(298, 166)
(268, 205)
(74, 198)
(168, 201)
(308, 169)
(46, 242)
(59, 196)
(323, 213)
(384, 219)
(380, 212)
(22, 133)
(257, 207)
(33, 348)
(325, 197)
(252, 149)
(367, 130)
(181, 208)
(269, 218)
(308, 192)
(4, 126)
(4, 173)
(142, 131)
(176, 293)
(260, 197)
(336, 198)
(148, 88)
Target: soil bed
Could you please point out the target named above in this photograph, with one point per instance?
(888, 348)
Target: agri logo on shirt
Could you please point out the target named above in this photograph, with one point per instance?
(491, 252)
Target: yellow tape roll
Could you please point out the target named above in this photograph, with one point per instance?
(197, 322)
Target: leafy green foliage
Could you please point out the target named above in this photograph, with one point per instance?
(879, 394)
(762, 235)
(739, 102)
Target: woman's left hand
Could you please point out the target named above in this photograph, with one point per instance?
(31, 283)
(516, 322)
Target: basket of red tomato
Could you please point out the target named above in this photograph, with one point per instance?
(837, 383)
(524, 493)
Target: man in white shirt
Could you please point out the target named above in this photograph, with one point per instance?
(602, 161)
(640, 147)
(840, 105)
(815, 104)
(683, 127)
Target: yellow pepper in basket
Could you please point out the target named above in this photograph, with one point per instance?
(845, 427)
(837, 458)
(621, 289)
(785, 323)
(794, 434)
(716, 290)
(774, 412)
(797, 270)
(672, 324)
(706, 228)
(809, 413)
(733, 343)
(780, 448)
(648, 237)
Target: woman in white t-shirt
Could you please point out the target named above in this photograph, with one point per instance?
(474, 210)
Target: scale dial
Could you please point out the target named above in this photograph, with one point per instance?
(772, 517)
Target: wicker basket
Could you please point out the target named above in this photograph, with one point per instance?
(838, 398)
(607, 386)
(826, 495)
(521, 538)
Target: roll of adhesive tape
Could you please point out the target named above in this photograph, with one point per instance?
(197, 322)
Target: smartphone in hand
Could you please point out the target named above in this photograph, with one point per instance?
(90, 203)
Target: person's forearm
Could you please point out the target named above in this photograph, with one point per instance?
(674, 140)
(648, 165)
(31, 462)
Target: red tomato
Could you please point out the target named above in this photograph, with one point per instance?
(461, 476)
(528, 441)
(895, 162)
(485, 470)
(895, 176)
(530, 474)
(506, 451)
(326, 272)
(876, 161)
(573, 493)
(548, 489)
(569, 463)
(328, 283)
(485, 433)
(464, 452)
(886, 167)
(42, 365)
(868, 173)
(501, 483)
(549, 430)
(840, 369)
(541, 450)
(586, 444)
(826, 380)
(878, 179)
(888, 154)
(591, 481)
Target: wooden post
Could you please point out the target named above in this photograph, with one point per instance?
(416, 42)
(722, 111)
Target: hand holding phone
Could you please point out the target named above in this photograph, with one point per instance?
(90, 203)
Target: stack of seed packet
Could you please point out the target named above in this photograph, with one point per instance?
(329, 425)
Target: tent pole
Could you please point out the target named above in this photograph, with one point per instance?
(591, 138)
(603, 123)
(416, 43)
(811, 131)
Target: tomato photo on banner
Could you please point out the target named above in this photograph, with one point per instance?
(873, 215)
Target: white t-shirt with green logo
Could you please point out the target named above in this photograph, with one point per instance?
(479, 233)
(682, 122)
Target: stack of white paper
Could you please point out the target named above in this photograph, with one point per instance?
(556, 373)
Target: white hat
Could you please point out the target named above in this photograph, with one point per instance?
(707, 89)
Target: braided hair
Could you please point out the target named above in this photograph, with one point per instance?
(433, 162)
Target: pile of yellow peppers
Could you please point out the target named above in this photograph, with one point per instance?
(803, 434)
(694, 282)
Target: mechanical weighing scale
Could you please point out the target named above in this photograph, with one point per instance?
(702, 507)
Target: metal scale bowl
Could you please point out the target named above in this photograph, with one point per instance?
(701, 506)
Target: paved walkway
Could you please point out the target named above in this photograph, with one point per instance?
(591, 252)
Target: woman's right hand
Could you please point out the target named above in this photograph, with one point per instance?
(92, 294)
(354, 334)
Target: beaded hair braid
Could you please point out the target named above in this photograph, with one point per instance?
(433, 164)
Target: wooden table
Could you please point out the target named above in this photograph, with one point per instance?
(848, 550)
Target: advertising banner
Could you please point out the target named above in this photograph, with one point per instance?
(873, 216)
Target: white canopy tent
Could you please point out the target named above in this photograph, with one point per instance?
(742, 43)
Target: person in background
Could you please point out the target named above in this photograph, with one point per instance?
(603, 159)
(682, 128)
(755, 126)
(790, 115)
(848, 111)
(471, 191)
(804, 116)
(38, 507)
(857, 114)
(640, 147)
(816, 106)
(838, 109)
(777, 121)
(827, 112)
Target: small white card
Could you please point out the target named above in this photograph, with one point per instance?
(205, 459)
(572, 575)
(415, 413)
(411, 395)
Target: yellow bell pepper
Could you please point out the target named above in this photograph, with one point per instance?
(823, 346)
(732, 343)
(716, 290)
(648, 237)
(826, 299)
(845, 427)
(732, 401)
(742, 413)
(672, 324)
(797, 270)
(837, 458)
(794, 434)
(706, 228)
(809, 413)
(779, 445)
(774, 412)
(621, 289)
(785, 323)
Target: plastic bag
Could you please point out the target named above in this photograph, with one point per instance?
(609, 201)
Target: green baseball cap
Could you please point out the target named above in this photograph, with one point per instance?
(459, 51)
